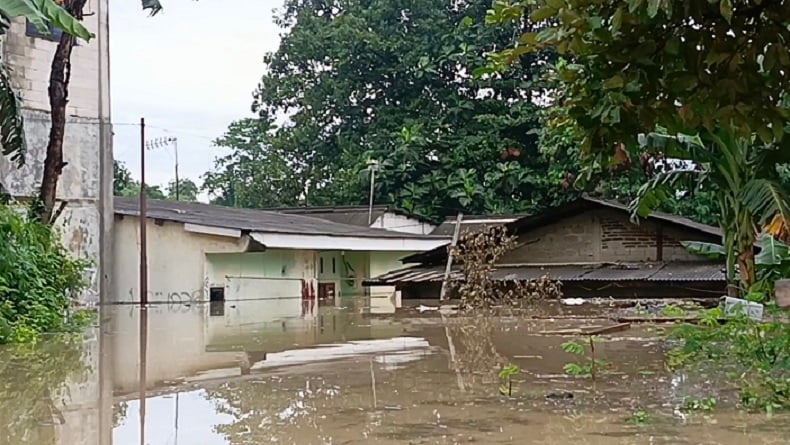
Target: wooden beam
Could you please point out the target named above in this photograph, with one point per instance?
(448, 267)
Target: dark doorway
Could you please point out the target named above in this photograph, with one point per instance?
(216, 296)
(326, 294)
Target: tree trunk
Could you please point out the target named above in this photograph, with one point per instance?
(59, 77)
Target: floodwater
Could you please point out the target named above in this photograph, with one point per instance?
(249, 373)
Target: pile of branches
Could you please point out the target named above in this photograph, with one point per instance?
(478, 253)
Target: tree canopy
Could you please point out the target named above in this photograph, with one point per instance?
(662, 81)
(689, 66)
(390, 81)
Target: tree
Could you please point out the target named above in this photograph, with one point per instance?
(716, 70)
(187, 190)
(392, 81)
(122, 178)
(124, 185)
(256, 174)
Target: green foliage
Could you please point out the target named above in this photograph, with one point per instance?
(755, 355)
(505, 375)
(671, 310)
(39, 281)
(257, 173)
(686, 65)
(187, 190)
(771, 264)
(693, 404)
(42, 13)
(589, 365)
(124, 185)
(741, 172)
(390, 81)
(639, 417)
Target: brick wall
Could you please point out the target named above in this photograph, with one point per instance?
(574, 239)
(604, 235)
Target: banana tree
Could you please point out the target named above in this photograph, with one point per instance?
(741, 172)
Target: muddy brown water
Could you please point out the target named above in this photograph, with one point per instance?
(254, 372)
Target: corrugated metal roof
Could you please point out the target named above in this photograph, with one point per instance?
(623, 272)
(561, 273)
(654, 272)
(690, 272)
(251, 219)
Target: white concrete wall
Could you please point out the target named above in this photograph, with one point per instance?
(385, 299)
(401, 223)
(88, 175)
(176, 261)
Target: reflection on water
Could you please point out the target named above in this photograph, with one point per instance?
(249, 373)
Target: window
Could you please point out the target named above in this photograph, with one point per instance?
(334, 269)
(321, 265)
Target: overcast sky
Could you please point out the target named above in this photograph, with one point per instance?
(190, 71)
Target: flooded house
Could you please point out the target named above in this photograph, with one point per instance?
(200, 252)
(594, 249)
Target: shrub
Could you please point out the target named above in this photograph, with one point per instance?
(39, 281)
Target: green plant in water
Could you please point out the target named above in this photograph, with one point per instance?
(639, 417)
(505, 375)
(589, 366)
(39, 281)
(754, 354)
(691, 404)
(671, 310)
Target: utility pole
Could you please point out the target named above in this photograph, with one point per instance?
(373, 166)
(163, 142)
(143, 218)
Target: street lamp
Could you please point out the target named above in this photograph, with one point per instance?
(373, 167)
(163, 142)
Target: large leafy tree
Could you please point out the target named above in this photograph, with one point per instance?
(256, 173)
(717, 70)
(391, 80)
(187, 190)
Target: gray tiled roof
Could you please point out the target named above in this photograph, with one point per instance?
(250, 219)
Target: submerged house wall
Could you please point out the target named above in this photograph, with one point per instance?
(176, 261)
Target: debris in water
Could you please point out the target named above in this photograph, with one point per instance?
(560, 395)
(422, 308)
(572, 301)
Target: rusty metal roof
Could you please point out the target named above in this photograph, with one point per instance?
(651, 272)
